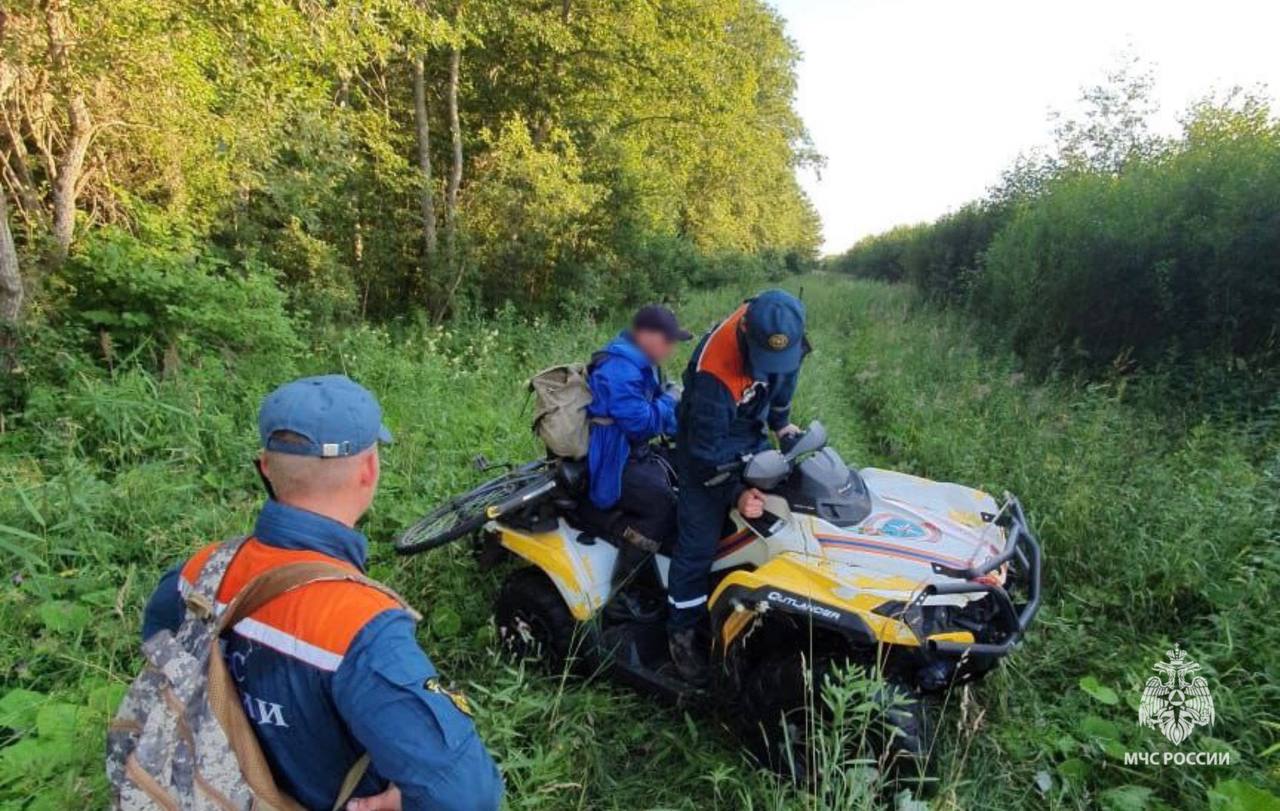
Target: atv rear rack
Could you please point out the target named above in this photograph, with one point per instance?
(1022, 546)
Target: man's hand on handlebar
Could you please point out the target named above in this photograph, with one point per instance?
(788, 436)
(751, 503)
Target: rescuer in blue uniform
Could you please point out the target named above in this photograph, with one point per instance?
(332, 670)
(737, 387)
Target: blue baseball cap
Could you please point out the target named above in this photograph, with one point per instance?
(775, 332)
(333, 414)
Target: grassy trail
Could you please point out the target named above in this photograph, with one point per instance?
(1153, 533)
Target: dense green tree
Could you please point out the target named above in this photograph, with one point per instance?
(369, 149)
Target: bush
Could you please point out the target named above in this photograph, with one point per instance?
(881, 256)
(1167, 260)
(1178, 257)
(123, 297)
(642, 269)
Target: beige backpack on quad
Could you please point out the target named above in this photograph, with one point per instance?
(180, 740)
(561, 396)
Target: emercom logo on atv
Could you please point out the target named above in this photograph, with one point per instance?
(1175, 705)
(803, 605)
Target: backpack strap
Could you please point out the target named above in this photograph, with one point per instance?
(597, 358)
(354, 775)
(275, 582)
(224, 698)
(202, 599)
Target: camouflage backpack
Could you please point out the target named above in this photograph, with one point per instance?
(181, 740)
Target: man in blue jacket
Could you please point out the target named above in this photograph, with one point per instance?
(629, 408)
(332, 670)
(737, 387)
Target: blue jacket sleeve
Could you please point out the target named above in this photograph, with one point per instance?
(780, 401)
(417, 737)
(627, 396)
(667, 408)
(710, 410)
(165, 607)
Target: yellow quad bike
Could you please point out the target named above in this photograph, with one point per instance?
(929, 583)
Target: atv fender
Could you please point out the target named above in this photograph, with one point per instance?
(812, 591)
(580, 571)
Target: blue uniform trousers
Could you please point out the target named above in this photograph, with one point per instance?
(701, 513)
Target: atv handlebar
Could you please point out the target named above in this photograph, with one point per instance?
(520, 498)
(726, 471)
(1022, 546)
(812, 439)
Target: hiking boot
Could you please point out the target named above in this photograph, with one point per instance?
(689, 654)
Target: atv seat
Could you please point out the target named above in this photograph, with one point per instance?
(608, 525)
(577, 509)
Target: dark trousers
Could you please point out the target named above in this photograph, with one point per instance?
(648, 500)
(644, 518)
(702, 511)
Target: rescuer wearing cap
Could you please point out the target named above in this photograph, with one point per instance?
(737, 387)
(331, 671)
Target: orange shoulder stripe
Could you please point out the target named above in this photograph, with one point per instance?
(722, 356)
(316, 623)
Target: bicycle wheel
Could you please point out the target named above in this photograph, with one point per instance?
(466, 513)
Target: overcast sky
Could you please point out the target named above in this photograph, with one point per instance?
(919, 104)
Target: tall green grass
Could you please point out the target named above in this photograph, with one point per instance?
(1156, 529)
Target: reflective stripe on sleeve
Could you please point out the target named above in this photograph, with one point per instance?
(694, 603)
(276, 639)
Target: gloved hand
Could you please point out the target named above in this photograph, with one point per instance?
(673, 390)
(788, 436)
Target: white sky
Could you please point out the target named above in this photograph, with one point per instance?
(919, 104)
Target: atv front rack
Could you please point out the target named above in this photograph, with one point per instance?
(1013, 620)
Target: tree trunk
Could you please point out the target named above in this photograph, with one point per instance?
(451, 192)
(11, 290)
(455, 171)
(427, 201)
(66, 185)
(70, 161)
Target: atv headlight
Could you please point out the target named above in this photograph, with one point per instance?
(909, 614)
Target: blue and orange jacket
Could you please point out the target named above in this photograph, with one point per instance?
(627, 389)
(332, 670)
(727, 410)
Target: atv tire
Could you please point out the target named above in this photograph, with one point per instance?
(534, 624)
(779, 711)
(901, 736)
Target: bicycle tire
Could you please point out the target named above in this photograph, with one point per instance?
(464, 514)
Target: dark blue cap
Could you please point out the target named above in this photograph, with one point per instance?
(775, 332)
(334, 416)
(659, 319)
